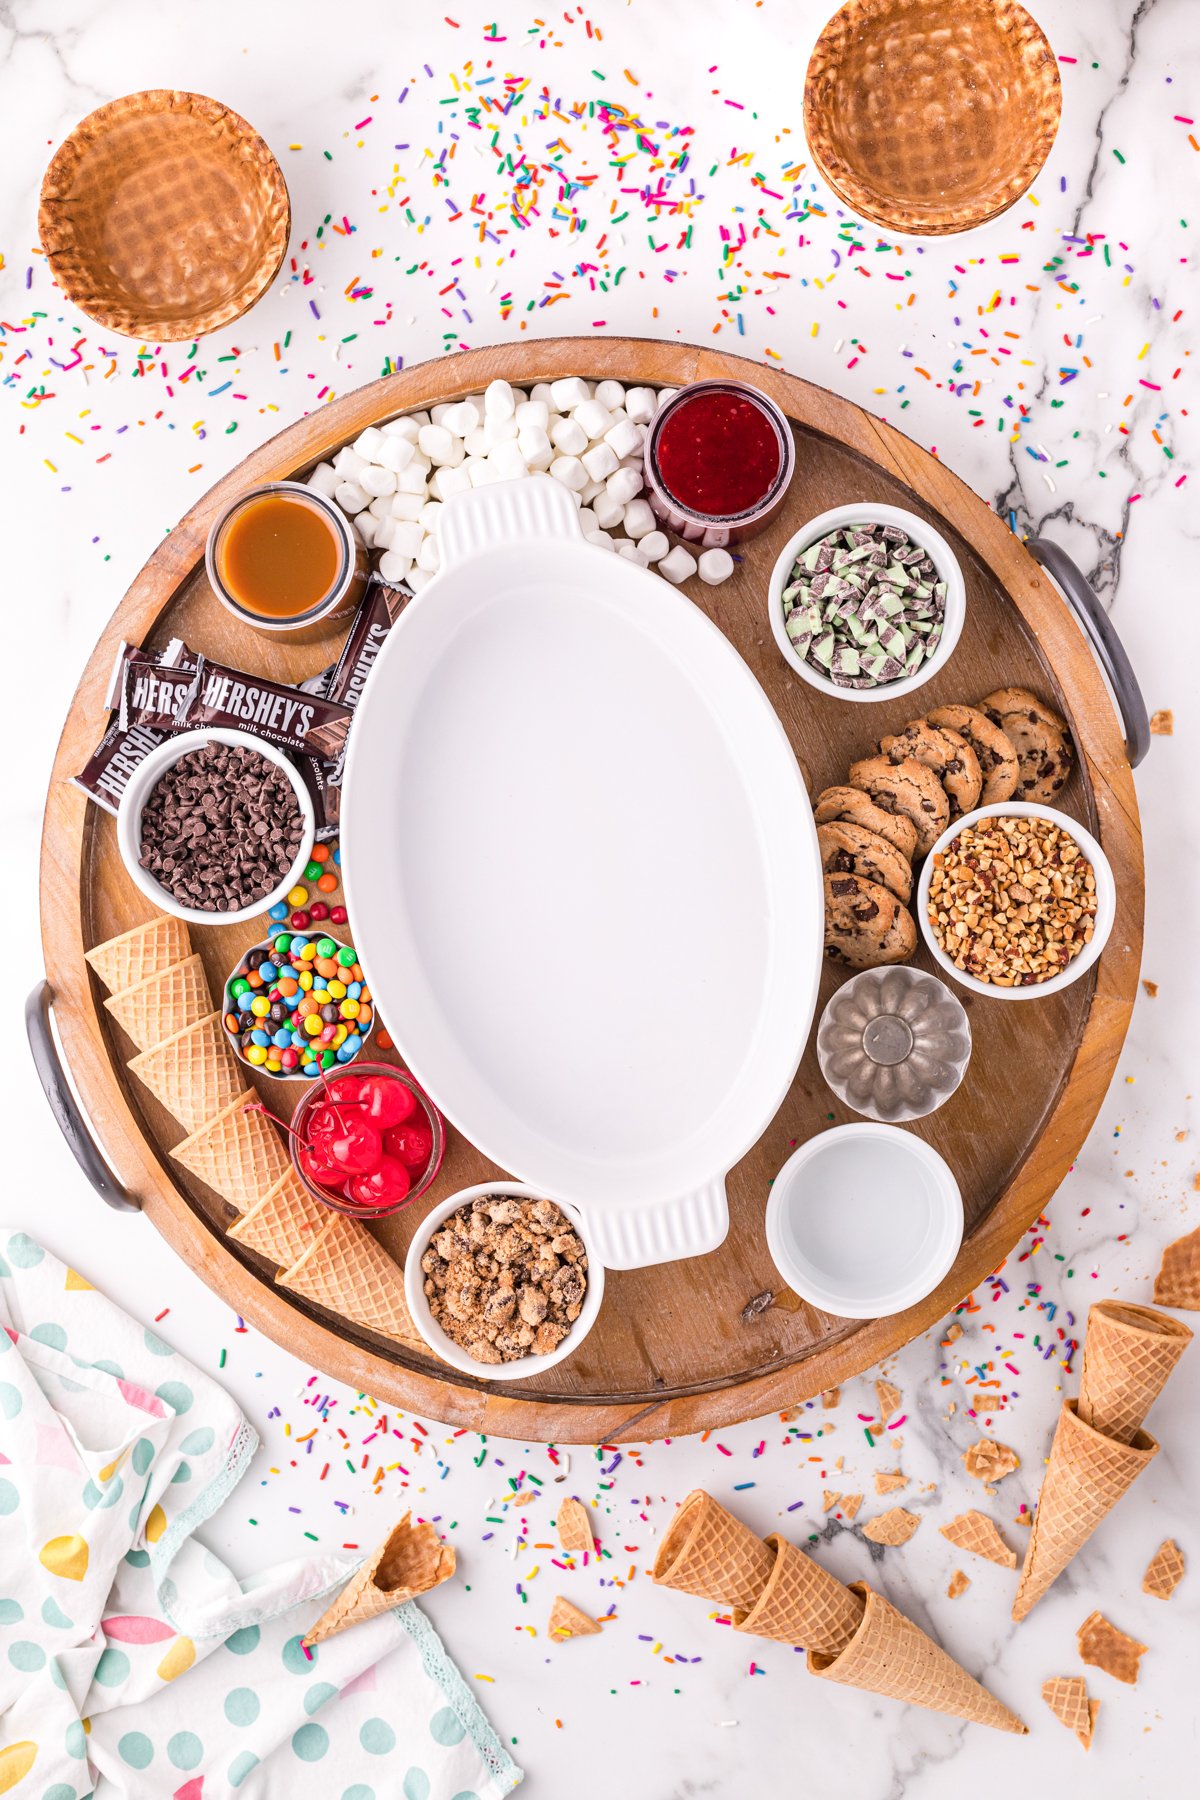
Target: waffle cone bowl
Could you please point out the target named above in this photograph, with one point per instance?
(155, 1009)
(931, 116)
(164, 215)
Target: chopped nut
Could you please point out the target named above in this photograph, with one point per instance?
(1012, 901)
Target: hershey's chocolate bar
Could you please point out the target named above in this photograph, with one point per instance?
(106, 773)
(381, 606)
(193, 691)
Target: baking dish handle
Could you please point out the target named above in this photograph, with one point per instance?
(1099, 630)
(505, 512)
(71, 1121)
(635, 1237)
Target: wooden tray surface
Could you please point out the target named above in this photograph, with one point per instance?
(672, 1350)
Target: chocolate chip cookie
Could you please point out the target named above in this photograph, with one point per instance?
(865, 925)
(852, 805)
(996, 757)
(944, 751)
(849, 850)
(908, 788)
(1040, 738)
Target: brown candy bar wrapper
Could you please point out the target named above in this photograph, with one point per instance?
(317, 777)
(381, 606)
(192, 692)
(104, 776)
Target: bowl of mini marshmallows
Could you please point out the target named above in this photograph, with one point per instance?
(1016, 901)
(590, 436)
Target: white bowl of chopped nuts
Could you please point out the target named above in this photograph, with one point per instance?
(547, 1277)
(1057, 875)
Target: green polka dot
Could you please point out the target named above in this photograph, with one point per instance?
(60, 1791)
(175, 1394)
(76, 1739)
(11, 1612)
(360, 1791)
(138, 1559)
(416, 1784)
(446, 1727)
(377, 1736)
(136, 1749)
(23, 1251)
(317, 1695)
(467, 1794)
(26, 1656)
(109, 1367)
(10, 1398)
(154, 1343)
(92, 1496)
(53, 1336)
(141, 1456)
(183, 1472)
(185, 1750)
(56, 1675)
(198, 1441)
(112, 1669)
(242, 1706)
(244, 1641)
(53, 1614)
(310, 1743)
(9, 1498)
(296, 1659)
(241, 1766)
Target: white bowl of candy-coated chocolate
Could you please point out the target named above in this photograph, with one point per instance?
(141, 785)
(869, 512)
(444, 1346)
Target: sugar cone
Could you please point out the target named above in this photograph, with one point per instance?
(194, 1073)
(890, 1655)
(1178, 1280)
(1085, 1477)
(146, 950)
(410, 1561)
(710, 1553)
(802, 1604)
(162, 1004)
(347, 1272)
(238, 1153)
(282, 1225)
(1128, 1352)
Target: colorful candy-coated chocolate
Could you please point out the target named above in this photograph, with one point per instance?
(293, 1007)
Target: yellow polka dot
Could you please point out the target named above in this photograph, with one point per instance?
(178, 1660)
(16, 1760)
(76, 1283)
(110, 1469)
(65, 1556)
(156, 1524)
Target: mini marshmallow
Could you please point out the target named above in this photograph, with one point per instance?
(625, 437)
(416, 578)
(587, 520)
(406, 427)
(630, 551)
(368, 529)
(568, 437)
(462, 418)
(448, 480)
(407, 506)
(394, 567)
(397, 453)
(570, 471)
(438, 413)
(591, 491)
(412, 479)
(508, 461)
(499, 431)
(324, 479)
(369, 443)
(610, 393)
(639, 518)
(677, 565)
(535, 447)
(654, 546)
(601, 540)
(600, 461)
(436, 443)
(407, 537)
(377, 481)
(532, 413)
(381, 506)
(641, 404)
(607, 510)
(568, 393)
(476, 442)
(349, 464)
(382, 528)
(541, 392)
(594, 418)
(663, 395)
(429, 514)
(625, 485)
(715, 566)
(480, 471)
(498, 401)
(429, 555)
(351, 498)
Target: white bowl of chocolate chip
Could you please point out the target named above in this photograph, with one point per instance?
(867, 602)
(497, 1270)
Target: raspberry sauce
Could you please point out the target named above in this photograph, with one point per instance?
(718, 455)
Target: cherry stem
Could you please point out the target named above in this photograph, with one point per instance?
(283, 1124)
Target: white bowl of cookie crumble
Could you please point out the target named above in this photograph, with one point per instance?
(502, 1282)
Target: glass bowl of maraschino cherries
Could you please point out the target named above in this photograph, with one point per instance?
(367, 1142)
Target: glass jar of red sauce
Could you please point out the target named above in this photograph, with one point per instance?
(719, 456)
(285, 559)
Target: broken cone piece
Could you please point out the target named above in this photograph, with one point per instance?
(574, 1527)
(1067, 1698)
(410, 1561)
(975, 1532)
(568, 1621)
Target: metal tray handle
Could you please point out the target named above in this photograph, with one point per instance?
(1110, 651)
(71, 1121)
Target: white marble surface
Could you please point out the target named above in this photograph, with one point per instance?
(616, 1714)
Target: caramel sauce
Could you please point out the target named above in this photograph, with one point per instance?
(279, 556)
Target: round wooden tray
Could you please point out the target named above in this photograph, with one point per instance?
(677, 1348)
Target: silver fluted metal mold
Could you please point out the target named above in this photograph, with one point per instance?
(894, 1044)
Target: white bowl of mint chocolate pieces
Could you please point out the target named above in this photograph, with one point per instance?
(867, 602)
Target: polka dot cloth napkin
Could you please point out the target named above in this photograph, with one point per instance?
(132, 1662)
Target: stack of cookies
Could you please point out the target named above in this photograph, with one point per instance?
(897, 803)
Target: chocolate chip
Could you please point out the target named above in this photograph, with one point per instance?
(221, 828)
